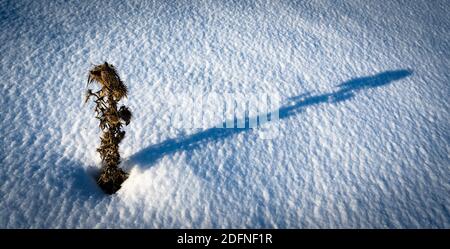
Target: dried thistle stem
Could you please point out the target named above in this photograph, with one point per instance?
(111, 121)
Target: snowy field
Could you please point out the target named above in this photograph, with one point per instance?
(363, 131)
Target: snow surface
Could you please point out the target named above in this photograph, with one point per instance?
(363, 123)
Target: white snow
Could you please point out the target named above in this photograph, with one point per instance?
(363, 123)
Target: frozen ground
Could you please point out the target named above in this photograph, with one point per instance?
(364, 122)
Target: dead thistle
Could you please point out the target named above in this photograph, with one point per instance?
(111, 121)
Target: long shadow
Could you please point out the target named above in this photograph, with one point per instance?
(345, 91)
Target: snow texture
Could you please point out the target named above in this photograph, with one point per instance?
(363, 122)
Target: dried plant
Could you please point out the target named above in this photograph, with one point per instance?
(111, 121)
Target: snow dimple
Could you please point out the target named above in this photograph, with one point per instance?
(363, 131)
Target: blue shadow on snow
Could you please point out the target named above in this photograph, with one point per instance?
(345, 91)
